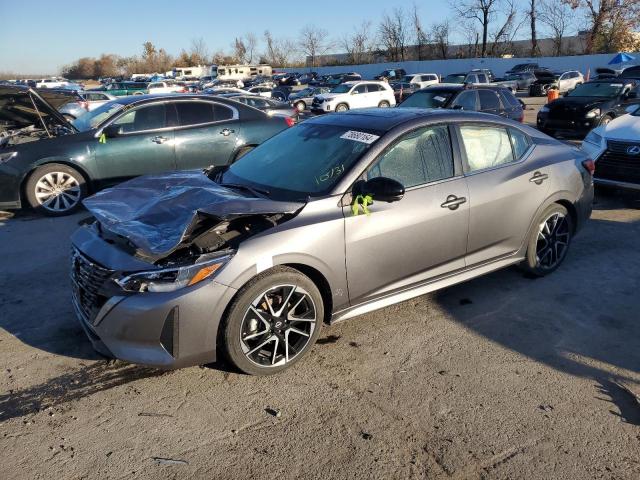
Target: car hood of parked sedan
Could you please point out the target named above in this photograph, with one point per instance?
(22, 106)
(157, 213)
(577, 104)
(626, 127)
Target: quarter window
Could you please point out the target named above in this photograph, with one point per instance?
(486, 147)
(520, 141)
(419, 157)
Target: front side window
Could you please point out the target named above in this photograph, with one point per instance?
(485, 146)
(467, 100)
(194, 113)
(361, 89)
(150, 117)
(419, 157)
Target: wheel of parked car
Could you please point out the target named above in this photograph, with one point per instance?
(342, 107)
(301, 106)
(606, 120)
(384, 104)
(549, 241)
(273, 322)
(55, 189)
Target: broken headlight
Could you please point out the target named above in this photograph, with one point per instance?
(171, 279)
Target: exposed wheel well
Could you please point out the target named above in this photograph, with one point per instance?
(320, 282)
(572, 212)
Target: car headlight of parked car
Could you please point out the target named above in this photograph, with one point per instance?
(594, 139)
(593, 113)
(5, 157)
(172, 279)
(544, 109)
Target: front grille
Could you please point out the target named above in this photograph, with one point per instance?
(565, 112)
(616, 163)
(88, 279)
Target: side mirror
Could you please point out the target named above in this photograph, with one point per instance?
(458, 107)
(112, 131)
(381, 189)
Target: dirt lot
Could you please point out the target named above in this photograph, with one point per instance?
(501, 377)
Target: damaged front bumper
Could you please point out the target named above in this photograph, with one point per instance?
(166, 330)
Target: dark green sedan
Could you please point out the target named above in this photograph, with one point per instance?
(120, 89)
(51, 164)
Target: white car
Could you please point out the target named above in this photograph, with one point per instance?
(260, 90)
(53, 82)
(422, 79)
(615, 147)
(167, 87)
(352, 95)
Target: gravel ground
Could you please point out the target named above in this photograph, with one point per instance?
(501, 377)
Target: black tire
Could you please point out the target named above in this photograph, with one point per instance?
(72, 189)
(384, 104)
(537, 255)
(301, 106)
(342, 107)
(606, 119)
(242, 152)
(238, 323)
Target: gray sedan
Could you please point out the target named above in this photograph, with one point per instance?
(302, 99)
(333, 218)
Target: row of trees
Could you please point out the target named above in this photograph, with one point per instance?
(479, 28)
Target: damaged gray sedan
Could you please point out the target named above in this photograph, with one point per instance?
(333, 218)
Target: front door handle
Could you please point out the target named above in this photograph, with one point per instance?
(538, 178)
(226, 132)
(159, 139)
(453, 202)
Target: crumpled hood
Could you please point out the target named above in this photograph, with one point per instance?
(23, 106)
(156, 212)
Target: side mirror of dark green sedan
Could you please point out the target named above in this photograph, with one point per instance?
(112, 131)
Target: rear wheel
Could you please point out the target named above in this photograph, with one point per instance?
(55, 189)
(342, 107)
(549, 241)
(273, 322)
(301, 106)
(384, 104)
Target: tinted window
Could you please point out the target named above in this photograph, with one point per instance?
(466, 100)
(149, 117)
(488, 100)
(520, 143)
(221, 113)
(360, 89)
(508, 98)
(482, 78)
(420, 157)
(486, 147)
(430, 98)
(194, 113)
(372, 87)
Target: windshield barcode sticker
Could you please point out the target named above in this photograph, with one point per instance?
(363, 137)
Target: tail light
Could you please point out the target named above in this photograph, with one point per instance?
(590, 166)
(521, 119)
(290, 121)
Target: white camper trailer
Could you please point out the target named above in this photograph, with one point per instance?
(243, 72)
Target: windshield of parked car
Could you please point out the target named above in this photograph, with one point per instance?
(430, 98)
(454, 79)
(303, 161)
(342, 88)
(604, 89)
(95, 117)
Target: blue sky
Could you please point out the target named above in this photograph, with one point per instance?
(43, 35)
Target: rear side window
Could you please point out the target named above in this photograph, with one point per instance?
(488, 100)
(508, 98)
(520, 142)
(194, 113)
(419, 157)
(486, 147)
(467, 100)
(221, 113)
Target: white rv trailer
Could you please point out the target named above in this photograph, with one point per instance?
(198, 71)
(243, 72)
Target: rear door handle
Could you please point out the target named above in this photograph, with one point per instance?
(453, 202)
(159, 139)
(538, 178)
(226, 132)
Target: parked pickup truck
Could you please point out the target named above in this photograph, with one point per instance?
(478, 78)
(122, 89)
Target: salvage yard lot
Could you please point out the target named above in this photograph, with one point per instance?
(501, 377)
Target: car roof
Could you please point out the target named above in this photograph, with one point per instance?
(133, 99)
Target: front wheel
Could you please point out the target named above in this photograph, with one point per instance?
(342, 107)
(606, 120)
(55, 189)
(273, 322)
(549, 241)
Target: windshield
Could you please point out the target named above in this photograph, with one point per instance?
(428, 99)
(608, 90)
(92, 119)
(342, 88)
(303, 161)
(454, 79)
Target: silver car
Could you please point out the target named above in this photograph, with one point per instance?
(92, 100)
(333, 218)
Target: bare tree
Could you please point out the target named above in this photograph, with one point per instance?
(481, 11)
(393, 32)
(441, 32)
(472, 40)
(533, 17)
(199, 51)
(502, 38)
(360, 44)
(279, 51)
(420, 36)
(557, 16)
(251, 43)
(313, 42)
(239, 50)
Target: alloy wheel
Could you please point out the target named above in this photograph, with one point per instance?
(278, 325)
(58, 191)
(553, 241)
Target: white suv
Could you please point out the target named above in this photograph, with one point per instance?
(167, 87)
(422, 79)
(350, 95)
